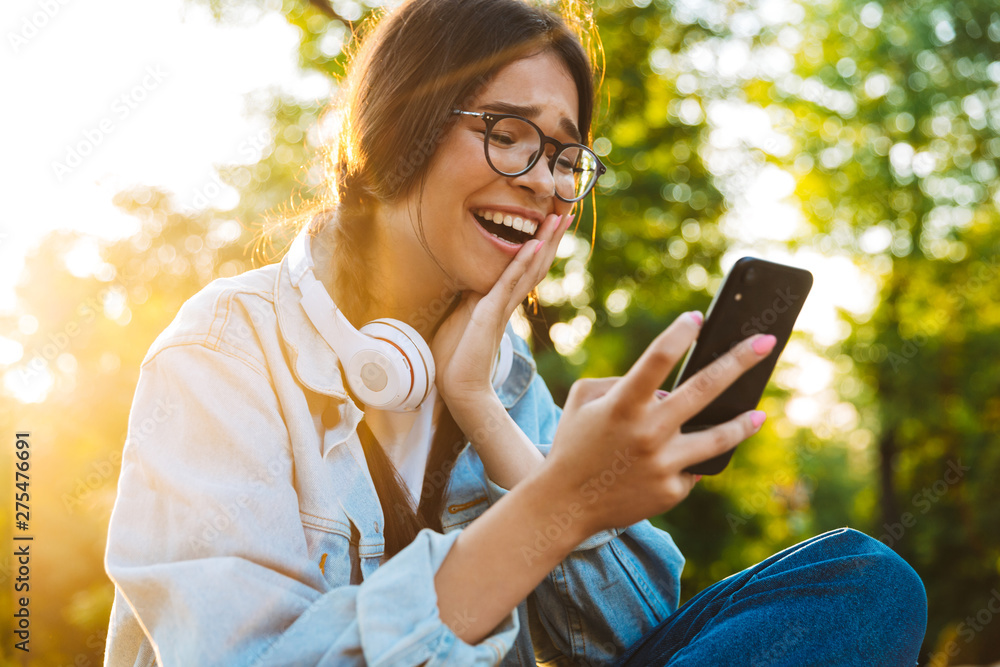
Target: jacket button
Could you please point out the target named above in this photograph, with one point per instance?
(376, 526)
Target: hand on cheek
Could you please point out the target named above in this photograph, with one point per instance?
(468, 340)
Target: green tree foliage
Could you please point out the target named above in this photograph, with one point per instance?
(903, 177)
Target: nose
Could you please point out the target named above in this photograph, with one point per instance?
(538, 180)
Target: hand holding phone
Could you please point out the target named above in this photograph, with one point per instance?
(756, 297)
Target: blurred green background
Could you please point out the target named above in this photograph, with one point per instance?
(856, 138)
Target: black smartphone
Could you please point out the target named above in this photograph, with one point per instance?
(757, 296)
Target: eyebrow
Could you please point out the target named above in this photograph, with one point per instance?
(565, 124)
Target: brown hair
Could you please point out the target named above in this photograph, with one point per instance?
(414, 66)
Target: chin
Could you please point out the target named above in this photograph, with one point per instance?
(484, 279)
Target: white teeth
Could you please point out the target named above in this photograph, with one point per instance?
(521, 224)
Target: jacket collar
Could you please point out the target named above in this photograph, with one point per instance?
(315, 363)
(522, 372)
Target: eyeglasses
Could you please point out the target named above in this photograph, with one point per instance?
(513, 146)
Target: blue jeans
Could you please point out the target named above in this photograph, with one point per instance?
(840, 598)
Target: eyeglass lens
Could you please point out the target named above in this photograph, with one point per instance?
(512, 145)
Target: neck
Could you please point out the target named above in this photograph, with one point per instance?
(401, 279)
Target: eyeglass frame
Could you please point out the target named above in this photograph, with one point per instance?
(491, 119)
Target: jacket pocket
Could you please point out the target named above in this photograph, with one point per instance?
(333, 547)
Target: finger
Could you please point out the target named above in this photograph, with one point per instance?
(656, 362)
(688, 480)
(543, 256)
(574, 211)
(698, 447)
(701, 389)
(562, 225)
(586, 390)
(556, 225)
(508, 290)
(529, 266)
(559, 230)
(557, 234)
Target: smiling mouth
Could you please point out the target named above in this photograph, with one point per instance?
(510, 228)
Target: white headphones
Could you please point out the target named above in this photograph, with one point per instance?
(387, 363)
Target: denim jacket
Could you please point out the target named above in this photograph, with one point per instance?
(247, 530)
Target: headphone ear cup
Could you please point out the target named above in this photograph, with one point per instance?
(387, 363)
(411, 370)
(504, 362)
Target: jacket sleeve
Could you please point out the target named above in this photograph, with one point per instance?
(206, 546)
(613, 588)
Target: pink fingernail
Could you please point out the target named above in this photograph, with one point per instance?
(764, 344)
(568, 222)
(757, 418)
(662, 394)
(697, 478)
(537, 248)
(697, 317)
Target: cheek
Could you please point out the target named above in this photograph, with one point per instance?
(460, 162)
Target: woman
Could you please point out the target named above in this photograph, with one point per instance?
(292, 492)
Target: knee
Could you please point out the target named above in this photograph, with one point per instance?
(887, 584)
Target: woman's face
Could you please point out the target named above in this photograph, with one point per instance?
(463, 196)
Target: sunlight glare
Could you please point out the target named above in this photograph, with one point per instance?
(11, 351)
